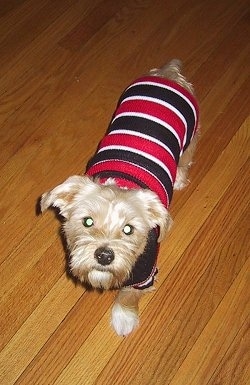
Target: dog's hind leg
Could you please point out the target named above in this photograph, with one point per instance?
(184, 165)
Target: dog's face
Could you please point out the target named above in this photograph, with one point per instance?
(106, 227)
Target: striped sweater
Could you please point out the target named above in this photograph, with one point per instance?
(153, 124)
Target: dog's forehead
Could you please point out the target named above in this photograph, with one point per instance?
(104, 201)
(107, 195)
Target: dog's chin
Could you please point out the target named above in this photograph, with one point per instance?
(101, 279)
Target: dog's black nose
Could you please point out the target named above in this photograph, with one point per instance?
(104, 256)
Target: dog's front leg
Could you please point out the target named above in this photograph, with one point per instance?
(125, 311)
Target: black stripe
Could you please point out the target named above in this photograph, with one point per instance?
(155, 91)
(150, 128)
(137, 160)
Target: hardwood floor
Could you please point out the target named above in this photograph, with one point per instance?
(63, 65)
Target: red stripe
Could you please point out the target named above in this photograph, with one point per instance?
(141, 144)
(141, 174)
(156, 110)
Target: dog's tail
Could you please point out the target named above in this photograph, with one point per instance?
(174, 66)
(172, 71)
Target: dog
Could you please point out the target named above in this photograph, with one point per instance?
(117, 213)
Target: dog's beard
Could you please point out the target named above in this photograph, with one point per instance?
(101, 279)
(86, 268)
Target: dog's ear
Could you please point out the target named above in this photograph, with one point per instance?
(62, 195)
(157, 214)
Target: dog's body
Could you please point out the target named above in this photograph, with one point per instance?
(118, 212)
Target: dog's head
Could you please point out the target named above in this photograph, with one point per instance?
(105, 226)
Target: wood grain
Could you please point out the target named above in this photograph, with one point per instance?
(63, 65)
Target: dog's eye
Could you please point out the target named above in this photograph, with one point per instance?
(87, 222)
(128, 229)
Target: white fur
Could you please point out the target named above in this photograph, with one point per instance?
(181, 180)
(100, 279)
(123, 320)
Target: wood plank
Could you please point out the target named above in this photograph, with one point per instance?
(215, 139)
(234, 368)
(41, 323)
(220, 331)
(45, 105)
(51, 22)
(189, 36)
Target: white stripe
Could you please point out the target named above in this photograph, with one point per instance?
(164, 104)
(148, 281)
(153, 119)
(142, 153)
(143, 136)
(152, 83)
(158, 101)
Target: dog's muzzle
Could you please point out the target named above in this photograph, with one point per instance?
(104, 256)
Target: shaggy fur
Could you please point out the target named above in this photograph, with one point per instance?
(106, 226)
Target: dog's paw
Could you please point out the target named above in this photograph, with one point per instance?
(179, 185)
(181, 180)
(123, 320)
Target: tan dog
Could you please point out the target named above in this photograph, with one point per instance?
(117, 212)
